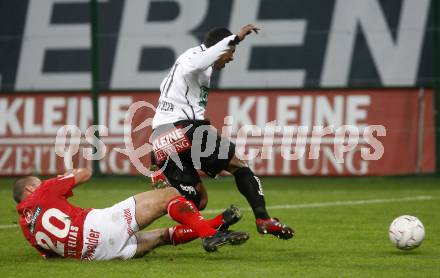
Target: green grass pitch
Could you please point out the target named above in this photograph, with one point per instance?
(341, 226)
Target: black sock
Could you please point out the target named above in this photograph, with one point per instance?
(250, 187)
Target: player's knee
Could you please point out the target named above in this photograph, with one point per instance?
(235, 164)
(167, 194)
(170, 192)
(203, 203)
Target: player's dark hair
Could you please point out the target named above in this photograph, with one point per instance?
(215, 35)
(18, 187)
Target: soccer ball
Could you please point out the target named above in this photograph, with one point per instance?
(406, 232)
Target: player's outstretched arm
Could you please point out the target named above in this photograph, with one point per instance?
(81, 175)
(206, 58)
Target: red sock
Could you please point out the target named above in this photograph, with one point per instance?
(182, 234)
(185, 212)
(216, 222)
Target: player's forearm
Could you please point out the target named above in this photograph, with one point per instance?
(81, 174)
(210, 55)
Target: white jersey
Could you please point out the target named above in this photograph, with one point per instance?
(184, 92)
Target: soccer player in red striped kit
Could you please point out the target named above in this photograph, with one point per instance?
(57, 228)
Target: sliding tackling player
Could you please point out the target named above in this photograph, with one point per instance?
(57, 228)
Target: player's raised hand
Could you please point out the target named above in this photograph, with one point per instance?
(246, 30)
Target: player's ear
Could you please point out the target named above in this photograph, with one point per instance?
(28, 189)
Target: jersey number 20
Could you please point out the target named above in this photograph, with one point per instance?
(43, 239)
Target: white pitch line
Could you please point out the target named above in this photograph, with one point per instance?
(8, 226)
(311, 205)
(336, 203)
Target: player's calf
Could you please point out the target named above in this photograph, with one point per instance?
(181, 234)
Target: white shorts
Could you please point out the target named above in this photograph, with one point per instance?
(109, 233)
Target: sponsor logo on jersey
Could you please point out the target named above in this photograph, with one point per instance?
(204, 92)
(166, 106)
(34, 219)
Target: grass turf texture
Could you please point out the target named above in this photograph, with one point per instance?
(332, 241)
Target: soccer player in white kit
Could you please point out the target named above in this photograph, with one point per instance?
(182, 135)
